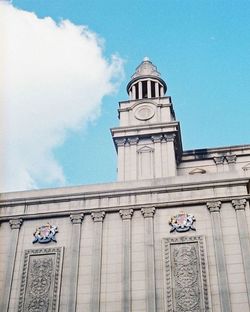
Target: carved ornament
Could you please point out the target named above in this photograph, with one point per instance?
(76, 218)
(148, 212)
(239, 204)
(182, 222)
(98, 216)
(214, 206)
(45, 234)
(126, 214)
(15, 223)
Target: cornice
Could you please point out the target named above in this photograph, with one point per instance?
(158, 186)
(106, 209)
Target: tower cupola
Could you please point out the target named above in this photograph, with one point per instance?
(146, 82)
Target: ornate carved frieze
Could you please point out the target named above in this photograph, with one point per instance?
(40, 285)
(214, 206)
(76, 218)
(126, 214)
(120, 141)
(98, 216)
(148, 212)
(186, 286)
(239, 204)
(15, 223)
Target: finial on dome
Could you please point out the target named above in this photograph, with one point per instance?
(146, 59)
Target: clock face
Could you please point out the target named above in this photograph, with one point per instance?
(144, 112)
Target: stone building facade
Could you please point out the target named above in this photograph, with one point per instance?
(171, 235)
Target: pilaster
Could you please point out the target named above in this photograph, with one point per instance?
(157, 139)
(98, 218)
(148, 214)
(214, 208)
(126, 215)
(76, 220)
(15, 225)
(240, 206)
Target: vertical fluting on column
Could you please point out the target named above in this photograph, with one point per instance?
(148, 214)
(158, 155)
(239, 206)
(15, 225)
(75, 241)
(214, 208)
(126, 215)
(96, 261)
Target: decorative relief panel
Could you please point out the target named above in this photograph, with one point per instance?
(40, 285)
(186, 288)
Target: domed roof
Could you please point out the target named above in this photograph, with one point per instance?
(146, 68)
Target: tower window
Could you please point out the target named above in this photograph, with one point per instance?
(144, 90)
(136, 91)
(152, 89)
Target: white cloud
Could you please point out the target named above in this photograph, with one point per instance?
(53, 79)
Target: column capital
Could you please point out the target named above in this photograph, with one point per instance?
(214, 206)
(76, 218)
(126, 214)
(98, 216)
(15, 223)
(120, 141)
(157, 138)
(239, 204)
(133, 140)
(219, 160)
(231, 159)
(170, 137)
(148, 212)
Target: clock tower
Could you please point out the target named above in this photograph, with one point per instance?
(148, 140)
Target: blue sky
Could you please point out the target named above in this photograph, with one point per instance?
(202, 50)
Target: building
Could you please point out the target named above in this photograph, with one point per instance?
(171, 235)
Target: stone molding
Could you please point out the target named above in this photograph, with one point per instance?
(120, 142)
(214, 206)
(15, 223)
(98, 216)
(239, 204)
(148, 212)
(126, 214)
(76, 218)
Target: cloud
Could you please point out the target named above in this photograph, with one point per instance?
(52, 80)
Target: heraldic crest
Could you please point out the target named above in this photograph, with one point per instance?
(182, 222)
(45, 234)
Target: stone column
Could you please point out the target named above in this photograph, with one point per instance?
(231, 160)
(140, 89)
(148, 214)
(76, 220)
(96, 261)
(156, 89)
(219, 161)
(126, 216)
(239, 206)
(15, 225)
(161, 91)
(149, 89)
(214, 208)
(158, 155)
(133, 93)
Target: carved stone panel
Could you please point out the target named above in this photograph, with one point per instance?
(40, 285)
(186, 288)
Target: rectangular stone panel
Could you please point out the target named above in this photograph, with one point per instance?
(186, 286)
(41, 277)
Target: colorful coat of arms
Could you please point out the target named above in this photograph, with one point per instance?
(45, 234)
(182, 222)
